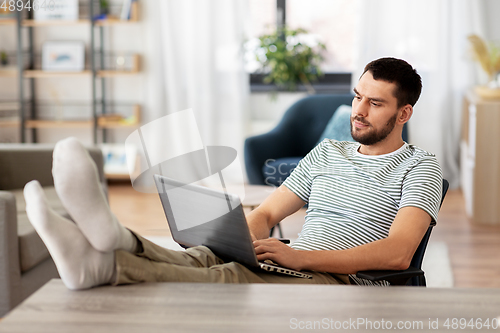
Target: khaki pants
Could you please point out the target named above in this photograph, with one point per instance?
(154, 263)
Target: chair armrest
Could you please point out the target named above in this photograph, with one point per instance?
(20, 164)
(396, 278)
(258, 149)
(10, 271)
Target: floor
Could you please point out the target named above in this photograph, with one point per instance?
(474, 249)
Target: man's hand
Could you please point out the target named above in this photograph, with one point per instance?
(280, 253)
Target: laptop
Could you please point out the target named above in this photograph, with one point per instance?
(201, 216)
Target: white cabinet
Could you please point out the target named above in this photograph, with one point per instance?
(480, 158)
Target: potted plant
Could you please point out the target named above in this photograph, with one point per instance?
(488, 57)
(290, 57)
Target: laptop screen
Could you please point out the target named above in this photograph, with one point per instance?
(202, 216)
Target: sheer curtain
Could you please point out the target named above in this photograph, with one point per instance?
(432, 36)
(195, 61)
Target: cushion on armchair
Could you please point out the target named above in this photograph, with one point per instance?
(339, 126)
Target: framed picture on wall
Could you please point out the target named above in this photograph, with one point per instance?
(63, 56)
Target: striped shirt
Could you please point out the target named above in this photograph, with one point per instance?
(354, 198)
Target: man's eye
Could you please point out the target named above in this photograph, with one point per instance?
(375, 104)
(357, 97)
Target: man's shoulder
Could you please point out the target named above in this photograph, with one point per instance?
(420, 154)
(419, 151)
(423, 159)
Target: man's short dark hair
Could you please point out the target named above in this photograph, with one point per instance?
(408, 82)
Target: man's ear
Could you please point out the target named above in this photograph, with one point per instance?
(405, 114)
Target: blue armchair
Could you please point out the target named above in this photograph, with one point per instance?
(270, 157)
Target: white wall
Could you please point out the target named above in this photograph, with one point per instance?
(492, 10)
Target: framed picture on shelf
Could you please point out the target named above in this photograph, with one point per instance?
(63, 56)
(66, 10)
(120, 161)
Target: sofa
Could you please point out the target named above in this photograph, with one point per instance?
(25, 263)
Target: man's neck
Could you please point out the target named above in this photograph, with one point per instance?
(381, 148)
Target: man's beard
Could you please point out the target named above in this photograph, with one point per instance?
(372, 137)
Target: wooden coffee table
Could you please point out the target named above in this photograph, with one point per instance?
(200, 307)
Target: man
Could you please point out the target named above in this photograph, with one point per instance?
(370, 204)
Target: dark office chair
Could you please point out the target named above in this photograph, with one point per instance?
(414, 275)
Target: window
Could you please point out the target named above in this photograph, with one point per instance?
(331, 21)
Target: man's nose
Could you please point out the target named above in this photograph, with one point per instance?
(361, 109)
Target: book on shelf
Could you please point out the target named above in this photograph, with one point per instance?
(5, 12)
(129, 10)
(127, 4)
(7, 16)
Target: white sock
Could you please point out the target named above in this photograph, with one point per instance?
(77, 184)
(79, 264)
